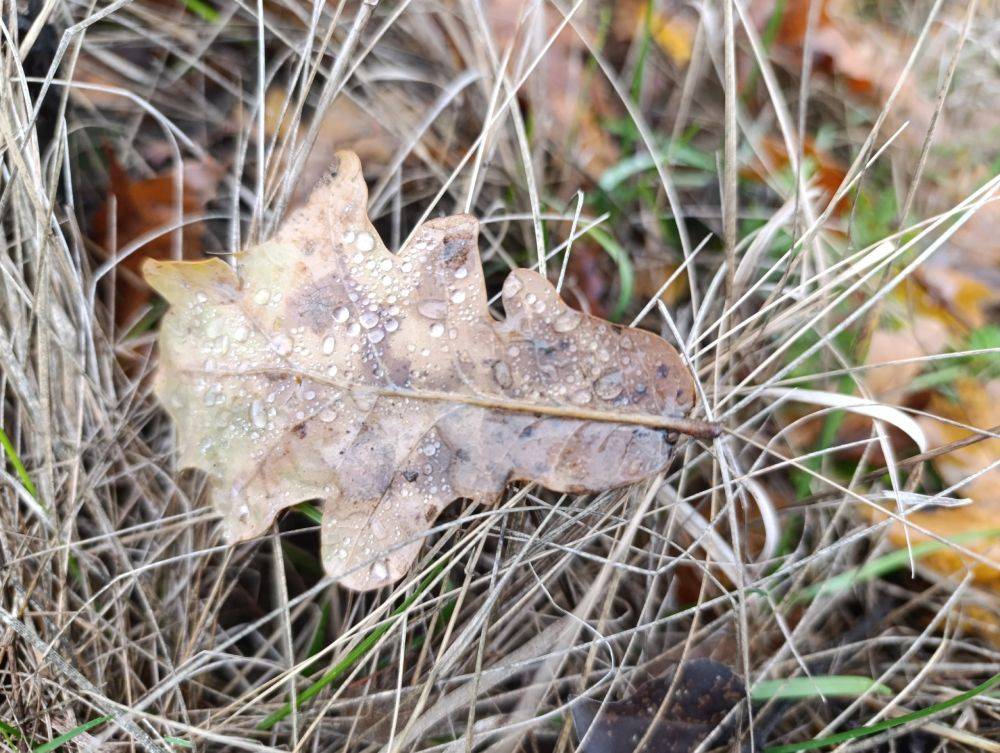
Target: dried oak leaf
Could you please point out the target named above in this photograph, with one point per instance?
(325, 367)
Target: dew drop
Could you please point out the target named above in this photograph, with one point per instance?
(258, 414)
(261, 297)
(567, 322)
(458, 296)
(391, 325)
(341, 314)
(282, 345)
(365, 242)
(353, 329)
(349, 236)
(437, 329)
(433, 308)
(368, 319)
(512, 286)
(329, 344)
(380, 571)
(376, 336)
(581, 397)
(461, 273)
(609, 386)
(240, 333)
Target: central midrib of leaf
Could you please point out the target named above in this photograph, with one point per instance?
(692, 427)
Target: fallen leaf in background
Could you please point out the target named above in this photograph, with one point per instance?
(977, 405)
(975, 247)
(588, 277)
(145, 206)
(671, 26)
(332, 369)
(651, 274)
(675, 36)
(827, 172)
(950, 295)
(346, 125)
(566, 101)
(925, 336)
(867, 56)
(704, 693)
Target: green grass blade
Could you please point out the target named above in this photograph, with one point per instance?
(203, 10)
(316, 644)
(885, 724)
(341, 668)
(9, 732)
(178, 741)
(15, 460)
(310, 511)
(66, 737)
(887, 563)
(832, 686)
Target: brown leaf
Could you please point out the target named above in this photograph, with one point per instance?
(326, 367)
(146, 206)
(568, 105)
(890, 382)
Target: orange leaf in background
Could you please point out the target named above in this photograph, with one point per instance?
(868, 57)
(827, 171)
(146, 206)
(978, 405)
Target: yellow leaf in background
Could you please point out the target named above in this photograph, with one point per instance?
(674, 36)
(652, 274)
(978, 405)
(951, 296)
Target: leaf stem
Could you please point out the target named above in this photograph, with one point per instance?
(690, 426)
